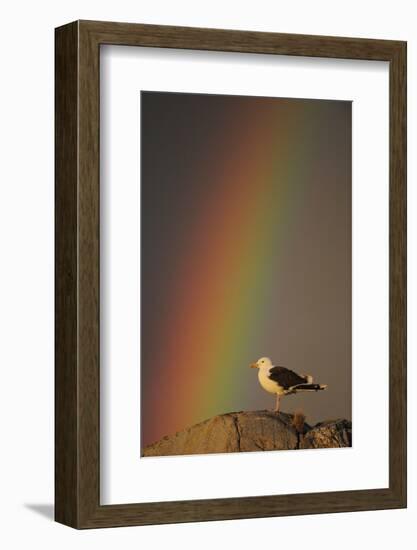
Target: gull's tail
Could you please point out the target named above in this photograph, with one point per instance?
(310, 387)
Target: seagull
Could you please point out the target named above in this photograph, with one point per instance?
(282, 381)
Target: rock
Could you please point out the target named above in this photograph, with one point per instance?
(251, 431)
(329, 434)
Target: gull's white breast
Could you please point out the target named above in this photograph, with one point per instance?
(267, 384)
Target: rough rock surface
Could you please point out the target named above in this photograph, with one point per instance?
(332, 433)
(252, 431)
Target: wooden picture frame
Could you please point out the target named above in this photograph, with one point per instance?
(77, 374)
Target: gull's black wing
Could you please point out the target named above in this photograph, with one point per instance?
(285, 377)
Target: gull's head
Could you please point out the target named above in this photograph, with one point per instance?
(262, 363)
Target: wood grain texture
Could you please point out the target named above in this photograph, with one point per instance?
(78, 286)
(398, 273)
(66, 237)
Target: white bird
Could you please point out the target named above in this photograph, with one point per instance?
(282, 381)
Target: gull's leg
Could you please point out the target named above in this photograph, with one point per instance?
(277, 403)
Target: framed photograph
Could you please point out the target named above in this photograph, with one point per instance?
(226, 200)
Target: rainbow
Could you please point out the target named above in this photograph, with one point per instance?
(221, 290)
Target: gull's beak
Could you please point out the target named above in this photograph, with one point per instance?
(253, 365)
